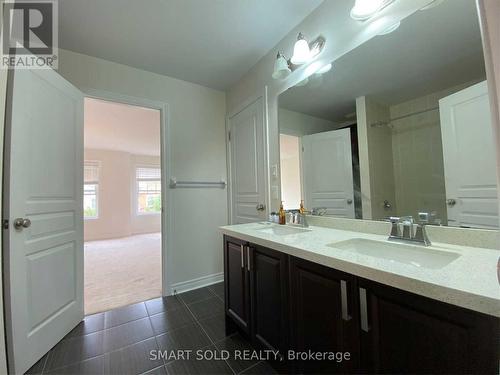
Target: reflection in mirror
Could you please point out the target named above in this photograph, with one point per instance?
(400, 126)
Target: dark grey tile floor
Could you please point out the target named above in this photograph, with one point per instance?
(120, 341)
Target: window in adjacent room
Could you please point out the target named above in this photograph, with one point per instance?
(148, 190)
(91, 190)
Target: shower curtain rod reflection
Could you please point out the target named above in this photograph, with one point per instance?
(382, 123)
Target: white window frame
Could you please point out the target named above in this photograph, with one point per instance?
(136, 195)
(97, 164)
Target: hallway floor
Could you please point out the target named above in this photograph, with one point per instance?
(123, 271)
(120, 341)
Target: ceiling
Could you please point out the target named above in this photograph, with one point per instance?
(432, 50)
(121, 127)
(209, 42)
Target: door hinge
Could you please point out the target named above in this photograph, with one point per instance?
(302, 148)
(5, 223)
(229, 134)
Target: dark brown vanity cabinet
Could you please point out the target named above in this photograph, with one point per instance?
(256, 292)
(286, 303)
(323, 317)
(405, 333)
(237, 282)
(268, 297)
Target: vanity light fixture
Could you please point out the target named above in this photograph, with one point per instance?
(365, 9)
(281, 68)
(303, 52)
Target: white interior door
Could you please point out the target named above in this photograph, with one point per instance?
(469, 158)
(327, 172)
(44, 182)
(248, 185)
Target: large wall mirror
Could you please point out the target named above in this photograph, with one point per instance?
(400, 126)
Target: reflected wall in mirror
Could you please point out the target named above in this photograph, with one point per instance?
(400, 126)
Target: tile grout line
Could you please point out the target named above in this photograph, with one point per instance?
(103, 354)
(254, 365)
(204, 331)
(45, 362)
(184, 304)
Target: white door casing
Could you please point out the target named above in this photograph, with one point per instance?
(44, 184)
(469, 158)
(327, 172)
(247, 150)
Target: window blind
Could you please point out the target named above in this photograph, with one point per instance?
(148, 173)
(91, 172)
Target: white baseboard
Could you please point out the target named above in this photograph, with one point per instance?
(200, 282)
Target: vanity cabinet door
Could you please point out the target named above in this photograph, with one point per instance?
(323, 316)
(237, 282)
(405, 333)
(268, 290)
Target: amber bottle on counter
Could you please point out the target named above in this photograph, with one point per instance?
(282, 214)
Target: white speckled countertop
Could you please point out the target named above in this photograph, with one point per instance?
(470, 281)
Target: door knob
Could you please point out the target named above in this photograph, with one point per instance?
(349, 201)
(451, 202)
(260, 207)
(21, 223)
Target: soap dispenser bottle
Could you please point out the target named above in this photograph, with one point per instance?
(282, 215)
(302, 210)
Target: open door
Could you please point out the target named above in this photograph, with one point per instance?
(469, 158)
(43, 220)
(327, 172)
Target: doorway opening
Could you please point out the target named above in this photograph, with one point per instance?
(122, 204)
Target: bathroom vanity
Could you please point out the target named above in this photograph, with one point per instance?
(395, 308)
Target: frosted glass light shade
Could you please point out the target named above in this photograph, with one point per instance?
(364, 9)
(301, 52)
(281, 69)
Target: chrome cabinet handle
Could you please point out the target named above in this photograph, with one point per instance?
(451, 202)
(343, 300)
(242, 256)
(21, 223)
(248, 258)
(349, 201)
(260, 207)
(363, 306)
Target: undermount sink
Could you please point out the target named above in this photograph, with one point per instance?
(282, 230)
(418, 256)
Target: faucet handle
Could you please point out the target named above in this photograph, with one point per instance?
(394, 225)
(392, 219)
(421, 235)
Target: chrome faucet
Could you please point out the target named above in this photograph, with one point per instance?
(404, 229)
(301, 219)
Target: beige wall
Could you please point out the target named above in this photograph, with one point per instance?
(375, 159)
(117, 213)
(291, 185)
(197, 152)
